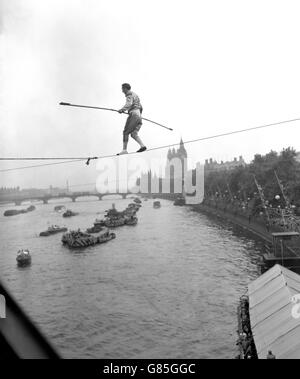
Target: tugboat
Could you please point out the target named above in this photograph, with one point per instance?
(114, 219)
(94, 229)
(77, 239)
(23, 258)
(98, 227)
(53, 230)
(69, 213)
(156, 204)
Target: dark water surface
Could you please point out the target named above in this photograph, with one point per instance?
(166, 288)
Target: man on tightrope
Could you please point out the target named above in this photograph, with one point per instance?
(134, 121)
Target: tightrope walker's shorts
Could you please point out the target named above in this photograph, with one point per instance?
(133, 124)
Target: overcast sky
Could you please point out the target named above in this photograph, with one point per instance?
(200, 67)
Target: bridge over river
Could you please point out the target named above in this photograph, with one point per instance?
(18, 200)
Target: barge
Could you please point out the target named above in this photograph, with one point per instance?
(78, 239)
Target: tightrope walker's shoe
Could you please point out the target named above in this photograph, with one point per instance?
(142, 149)
(123, 152)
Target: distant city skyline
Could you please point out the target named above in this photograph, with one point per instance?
(209, 164)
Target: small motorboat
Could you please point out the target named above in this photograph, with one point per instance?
(137, 200)
(156, 204)
(53, 230)
(23, 258)
(59, 208)
(69, 213)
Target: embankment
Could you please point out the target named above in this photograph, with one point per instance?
(256, 227)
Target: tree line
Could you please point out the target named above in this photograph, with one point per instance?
(240, 183)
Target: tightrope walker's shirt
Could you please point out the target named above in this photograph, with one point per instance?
(132, 103)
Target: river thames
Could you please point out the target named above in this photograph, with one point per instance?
(165, 288)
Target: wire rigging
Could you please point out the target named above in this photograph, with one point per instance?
(66, 160)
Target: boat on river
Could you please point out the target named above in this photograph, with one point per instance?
(23, 258)
(78, 239)
(69, 213)
(156, 204)
(53, 229)
(114, 222)
(59, 208)
(14, 212)
(114, 218)
(97, 227)
(94, 229)
(137, 200)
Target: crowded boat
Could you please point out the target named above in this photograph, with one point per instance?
(53, 229)
(23, 258)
